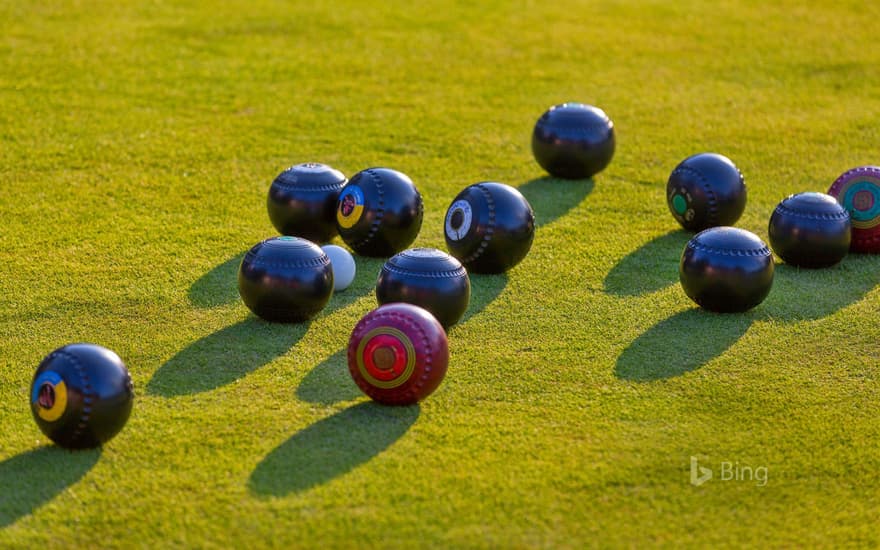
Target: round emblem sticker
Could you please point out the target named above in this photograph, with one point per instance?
(386, 357)
(311, 167)
(862, 200)
(425, 253)
(350, 207)
(458, 220)
(49, 396)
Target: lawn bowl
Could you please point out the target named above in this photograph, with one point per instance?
(398, 354)
(302, 201)
(810, 230)
(573, 141)
(285, 279)
(858, 191)
(489, 227)
(726, 269)
(379, 212)
(706, 190)
(428, 278)
(81, 395)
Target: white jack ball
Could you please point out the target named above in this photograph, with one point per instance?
(342, 263)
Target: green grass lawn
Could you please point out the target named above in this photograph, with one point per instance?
(137, 144)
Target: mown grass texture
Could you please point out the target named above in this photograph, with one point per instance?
(137, 143)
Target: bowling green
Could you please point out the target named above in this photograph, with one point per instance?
(138, 141)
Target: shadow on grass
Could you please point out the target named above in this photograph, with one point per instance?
(651, 267)
(329, 382)
(330, 448)
(33, 478)
(690, 339)
(552, 198)
(224, 356)
(220, 285)
(484, 290)
(682, 343)
(806, 294)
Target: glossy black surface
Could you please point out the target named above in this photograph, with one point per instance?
(573, 141)
(810, 230)
(285, 279)
(98, 391)
(302, 201)
(706, 190)
(489, 227)
(392, 213)
(726, 269)
(428, 278)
